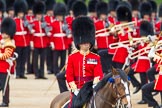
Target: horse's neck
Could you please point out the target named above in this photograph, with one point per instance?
(106, 95)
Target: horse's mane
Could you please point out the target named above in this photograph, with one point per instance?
(102, 83)
(84, 96)
(122, 74)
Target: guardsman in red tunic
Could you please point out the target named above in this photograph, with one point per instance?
(28, 20)
(103, 39)
(112, 5)
(92, 9)
(7, 47)
(58, 39)
(39, 40)
(75, 12)
(49, 18)
(83, 65)
(124, 15)
(22, 39)
(10, 8)
(154, 85)
(143, 63)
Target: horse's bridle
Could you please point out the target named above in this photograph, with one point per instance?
(117, 93)
(119, 98)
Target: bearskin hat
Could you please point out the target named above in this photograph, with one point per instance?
(134, 4)
(153, 5)
(30, 4)
(70, 4)
(39, 7)
(2, 6)
(92, 5)
(49, 4)
(112, 5)
(101, 8)
(20, 6)
(59, 9)
(8, 26)
(160, 10)
(9, 5)
(124, 13)
(146, 28)
(145, 9)
(79, 8)
(83, 31)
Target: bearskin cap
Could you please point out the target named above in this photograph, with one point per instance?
(2, 6)
(30, 4)
(112, 5)
(8, 26)
(83, 31)
(102, 8)
(134, 4)
(39, 7)
(92, 5)
(160, 10)
(146, 28)
(9, 5)
(145, 9)
(124, 13)
(50, 4)
(79, 8)
(59, 9)
(20, 6)
(153, 5)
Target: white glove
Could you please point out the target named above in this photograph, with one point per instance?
(76, 92)
(152, 52)
(152, 38)
(32, 45)
(94, 85)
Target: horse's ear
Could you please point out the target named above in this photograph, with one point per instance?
(127, 70)
(114, 72)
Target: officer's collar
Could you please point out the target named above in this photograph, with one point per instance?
(84, 53)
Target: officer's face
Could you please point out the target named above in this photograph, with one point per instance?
(85, 46)
(20, 14)
(5, 36)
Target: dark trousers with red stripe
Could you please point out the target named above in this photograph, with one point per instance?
(39, 70)
(2, 86)
(62, 81)
(148, 89)
(56, 55)
(49, 60)
(21, 60)
(30, 61)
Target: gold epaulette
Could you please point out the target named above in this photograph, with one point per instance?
(9, 43)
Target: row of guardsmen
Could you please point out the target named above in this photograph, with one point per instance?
(43, 31)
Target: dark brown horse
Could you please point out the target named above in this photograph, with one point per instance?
(112, 91)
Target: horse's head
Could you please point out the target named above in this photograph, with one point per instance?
(121, 86)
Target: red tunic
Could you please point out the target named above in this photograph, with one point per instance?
(143, 61)
(69, 19)
(59, 38)
(7, 51)
(158, 26)
(81, 69)
(39, 38)
(112, 20)
(102, 38)
(121, 53)
(48, 19)
(22, 39)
